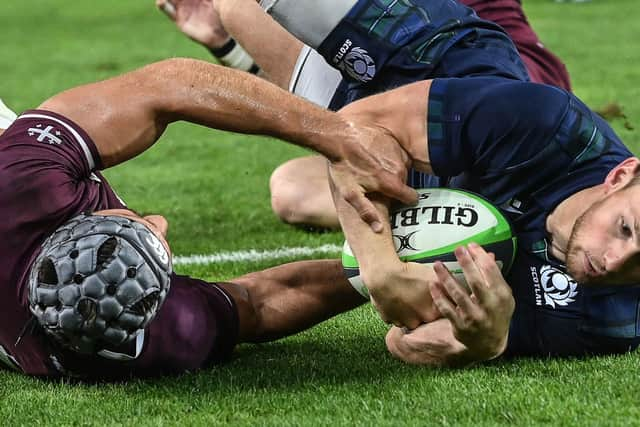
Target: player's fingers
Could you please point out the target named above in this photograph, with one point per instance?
(498, 291)
(456, 291)
(486, 264)
(444, 304)
(398, 190)
(474, 277)
(168, 8)
(365, 208)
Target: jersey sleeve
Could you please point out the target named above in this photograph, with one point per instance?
(509, 136)
(39, 136)
(374, 36)
(556, 316)
(487, 125)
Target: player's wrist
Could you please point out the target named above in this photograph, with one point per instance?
(499, 347)
(320, 130)
(379, 275)
(232, 55)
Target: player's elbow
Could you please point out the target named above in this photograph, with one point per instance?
(433, 351)
(171, 86)
(401, 349)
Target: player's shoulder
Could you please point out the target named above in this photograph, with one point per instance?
(505, 97)
(41, 134)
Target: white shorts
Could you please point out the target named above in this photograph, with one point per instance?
(314, 79)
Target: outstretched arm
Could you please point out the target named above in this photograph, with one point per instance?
(399, 291)
(289, 298)
(125, 115)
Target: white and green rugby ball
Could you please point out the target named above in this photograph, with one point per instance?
(442, 220)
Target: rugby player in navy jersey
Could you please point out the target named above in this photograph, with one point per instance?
(86, 285)
(284, 60)
(556, 168)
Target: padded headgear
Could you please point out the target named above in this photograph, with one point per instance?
(98, 282)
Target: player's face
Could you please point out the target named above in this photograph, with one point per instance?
(604, 247)
(156, 223)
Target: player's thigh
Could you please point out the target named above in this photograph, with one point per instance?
(197, 325)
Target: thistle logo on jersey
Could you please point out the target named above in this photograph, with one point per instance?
(355, 61)
(558, 288)
(45, 135)
(360, 65)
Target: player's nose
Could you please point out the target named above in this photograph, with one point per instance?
(615, 258)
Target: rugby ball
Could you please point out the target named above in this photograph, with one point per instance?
(442, 220)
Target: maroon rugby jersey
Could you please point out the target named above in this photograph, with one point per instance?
(48, 174)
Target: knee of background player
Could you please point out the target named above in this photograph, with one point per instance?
(286, 195)
(300, 198)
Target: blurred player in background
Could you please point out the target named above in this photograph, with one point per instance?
(555, 167)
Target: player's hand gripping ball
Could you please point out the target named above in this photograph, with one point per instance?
(442, 220)
(98, 282)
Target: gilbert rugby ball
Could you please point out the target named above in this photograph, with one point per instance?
(442, 220)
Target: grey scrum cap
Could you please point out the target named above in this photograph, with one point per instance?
(98, 282)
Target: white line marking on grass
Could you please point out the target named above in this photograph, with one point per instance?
(255, 255)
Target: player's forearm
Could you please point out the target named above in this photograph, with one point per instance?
(375, 252)
(273, 48)
(434, 344)
(127, 114)
(231, 100)
(292, 297)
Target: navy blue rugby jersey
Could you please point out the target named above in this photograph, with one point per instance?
(383, 44)
(526, 147)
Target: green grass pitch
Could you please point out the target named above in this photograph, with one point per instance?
(213, 188)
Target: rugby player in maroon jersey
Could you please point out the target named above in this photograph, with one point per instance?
(86, 284)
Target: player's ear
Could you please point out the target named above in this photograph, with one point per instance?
(160, 223)
(622, 174)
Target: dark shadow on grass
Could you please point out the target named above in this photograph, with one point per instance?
(308, 362)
